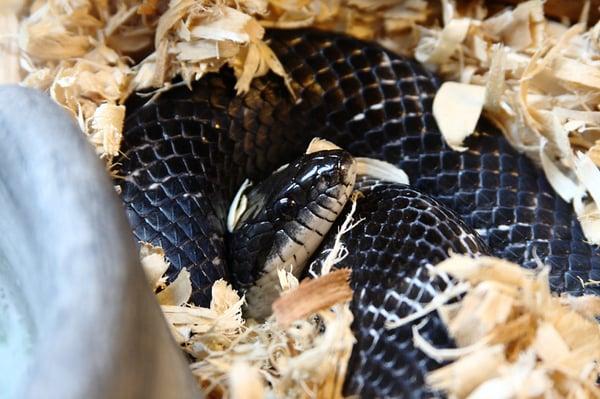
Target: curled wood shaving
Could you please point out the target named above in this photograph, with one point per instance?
(155, 266)
(456, 108)
(312, 296)
(438, 48)
(178, 292)
(374, 168)
(515, 338)
(318, 144)
(107, 127)
(193, 38)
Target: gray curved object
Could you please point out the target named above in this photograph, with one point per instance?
(67, 249)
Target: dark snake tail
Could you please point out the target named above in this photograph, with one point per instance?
(187, 153)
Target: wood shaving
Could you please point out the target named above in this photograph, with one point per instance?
(515, 339)
(193, 38)
(318, 144)
(82, 52)
(79, 52)
(323, 293)
(245, 382)
(155, 266)
(456, 108)
(9, 51)
(107, 127)
(376, 169)
(178, 292)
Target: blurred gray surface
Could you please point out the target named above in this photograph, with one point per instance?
(97, 331)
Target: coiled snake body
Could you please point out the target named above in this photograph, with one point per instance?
(186, 154)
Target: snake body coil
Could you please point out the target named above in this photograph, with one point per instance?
(186, 154)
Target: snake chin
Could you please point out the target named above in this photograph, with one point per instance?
(286, 218)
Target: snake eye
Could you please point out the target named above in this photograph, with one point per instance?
(286, 208)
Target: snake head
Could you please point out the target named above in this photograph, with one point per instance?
(286, 218)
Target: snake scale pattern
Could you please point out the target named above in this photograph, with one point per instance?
(186, 154)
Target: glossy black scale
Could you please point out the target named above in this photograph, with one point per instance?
(187, 153)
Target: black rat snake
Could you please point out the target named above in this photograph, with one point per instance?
(186, 154)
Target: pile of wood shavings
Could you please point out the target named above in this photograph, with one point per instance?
(515, 339)
(78, 52)
(537, 79)
(302, 351)
(90, 55)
